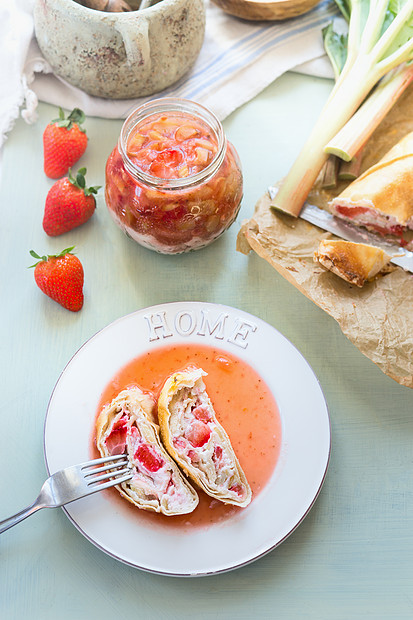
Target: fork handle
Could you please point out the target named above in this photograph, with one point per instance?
(23, 514)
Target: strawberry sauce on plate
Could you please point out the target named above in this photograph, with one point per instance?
(244, 406)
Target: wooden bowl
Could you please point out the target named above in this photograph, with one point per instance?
(266, 9)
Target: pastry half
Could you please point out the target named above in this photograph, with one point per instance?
(381, 199)
(196, 440)
(126, 425)
(354, 262)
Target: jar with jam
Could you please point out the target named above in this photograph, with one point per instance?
(173, 182)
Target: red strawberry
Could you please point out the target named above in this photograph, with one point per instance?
(61, 278)
(69, 204)
(64, 142)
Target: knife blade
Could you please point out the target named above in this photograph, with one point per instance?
(345, 230)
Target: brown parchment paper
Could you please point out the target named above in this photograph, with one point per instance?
(377, 318)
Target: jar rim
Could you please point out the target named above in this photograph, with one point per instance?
(172, 104)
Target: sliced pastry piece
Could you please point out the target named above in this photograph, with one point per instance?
(126, 425)
(196, 440)
(354, 262)
(381, 199)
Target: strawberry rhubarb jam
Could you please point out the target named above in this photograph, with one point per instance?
(173, 182)
(243, 403)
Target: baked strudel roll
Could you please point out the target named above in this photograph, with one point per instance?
(127, 426)
(196, 440)
(381, 198)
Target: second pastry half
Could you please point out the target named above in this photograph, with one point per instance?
(197, 441)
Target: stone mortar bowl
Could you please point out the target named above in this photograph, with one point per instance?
(120, 55)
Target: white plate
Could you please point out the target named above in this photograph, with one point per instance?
(281, 505)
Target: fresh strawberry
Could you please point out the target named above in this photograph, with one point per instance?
(60, 277)
(64, 142)
(69, 204)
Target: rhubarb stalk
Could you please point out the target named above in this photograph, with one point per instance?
(379, 40)
(355, 133)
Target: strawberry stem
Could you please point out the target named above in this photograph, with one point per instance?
(80, 182)
(76, 116)
(43, 259)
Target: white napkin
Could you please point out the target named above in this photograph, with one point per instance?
(238, 59)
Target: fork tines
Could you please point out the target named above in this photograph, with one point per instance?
(111, 465)
(103, 459)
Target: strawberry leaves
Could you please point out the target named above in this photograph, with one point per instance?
(76, 116)
(80, 182)
(45, 258)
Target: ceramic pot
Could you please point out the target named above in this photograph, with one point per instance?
(120, 55)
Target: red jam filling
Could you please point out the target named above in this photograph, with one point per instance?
(351, 212)
(172, 147)
(174, 219)
(393, 230)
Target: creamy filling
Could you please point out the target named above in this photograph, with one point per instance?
(371, 219)
(197, 441)
(154, 480)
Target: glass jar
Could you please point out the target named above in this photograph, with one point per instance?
(173, 182)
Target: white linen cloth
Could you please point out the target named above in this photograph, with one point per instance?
(238, 59)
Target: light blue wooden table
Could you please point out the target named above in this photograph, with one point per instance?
(352, 557)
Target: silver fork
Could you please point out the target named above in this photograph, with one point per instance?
(73, 483)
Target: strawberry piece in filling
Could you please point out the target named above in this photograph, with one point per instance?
(148, 458)
(116, 441)
(179, 443)
(193, 456)
(202, 413)
(391, 230)
(217, 453)
(350, 212)
(238, 489)
(198, 433)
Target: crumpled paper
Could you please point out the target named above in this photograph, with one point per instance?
(378, 318)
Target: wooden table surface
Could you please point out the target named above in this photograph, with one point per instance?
(352, 557)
